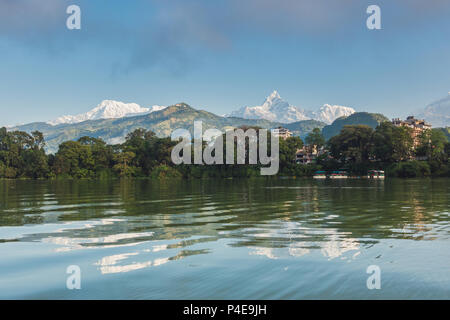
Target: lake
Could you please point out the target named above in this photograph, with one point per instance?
(225, 239)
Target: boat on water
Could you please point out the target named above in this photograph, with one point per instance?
(320, 175)
(339, 174)
(342, 174)
(375, 174)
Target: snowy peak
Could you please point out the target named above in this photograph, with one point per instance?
(328, 113)
(274, 108)
(272, 98)
(107, 109)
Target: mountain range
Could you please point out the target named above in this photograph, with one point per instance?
(113, 120)
(274, 108)
(107, 109)
(163, 122)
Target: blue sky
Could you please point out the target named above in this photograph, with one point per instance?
(221, 55)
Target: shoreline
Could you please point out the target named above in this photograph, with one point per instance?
(221, 178)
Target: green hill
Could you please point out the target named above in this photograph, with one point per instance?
(302, 128)
(446, 131)
(364, 118)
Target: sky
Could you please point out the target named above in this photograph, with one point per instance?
(221, 55)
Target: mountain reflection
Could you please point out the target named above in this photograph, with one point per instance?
(272, 218)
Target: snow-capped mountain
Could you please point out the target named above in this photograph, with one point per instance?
(438, 113)
(107, 109)
(328, 113)
(276, 109)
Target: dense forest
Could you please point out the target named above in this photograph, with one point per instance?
(357, 148)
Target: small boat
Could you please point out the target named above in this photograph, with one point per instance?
(320, 175)
(340, 174)
(376, 174)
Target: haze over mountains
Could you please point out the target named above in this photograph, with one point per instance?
(438, 113)
(274, 108)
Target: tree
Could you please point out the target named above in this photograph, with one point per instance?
(315, 138)
(392, 143)
(22, 154)
(432, 144)
(74, 159)
(447, 150)
(38, 139)
(410, 169)
(288, 150)
(140, 142)
(102, 154)
(35, 164)
(353, 144)
(122, 166)
(2, 169)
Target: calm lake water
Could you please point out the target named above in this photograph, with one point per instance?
(225, 239)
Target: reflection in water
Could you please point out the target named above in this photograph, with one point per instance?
(134, 225)
(331, 246)
(127, 239)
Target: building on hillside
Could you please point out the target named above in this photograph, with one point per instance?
(308, 154)
(283, 133)
(417, 126)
